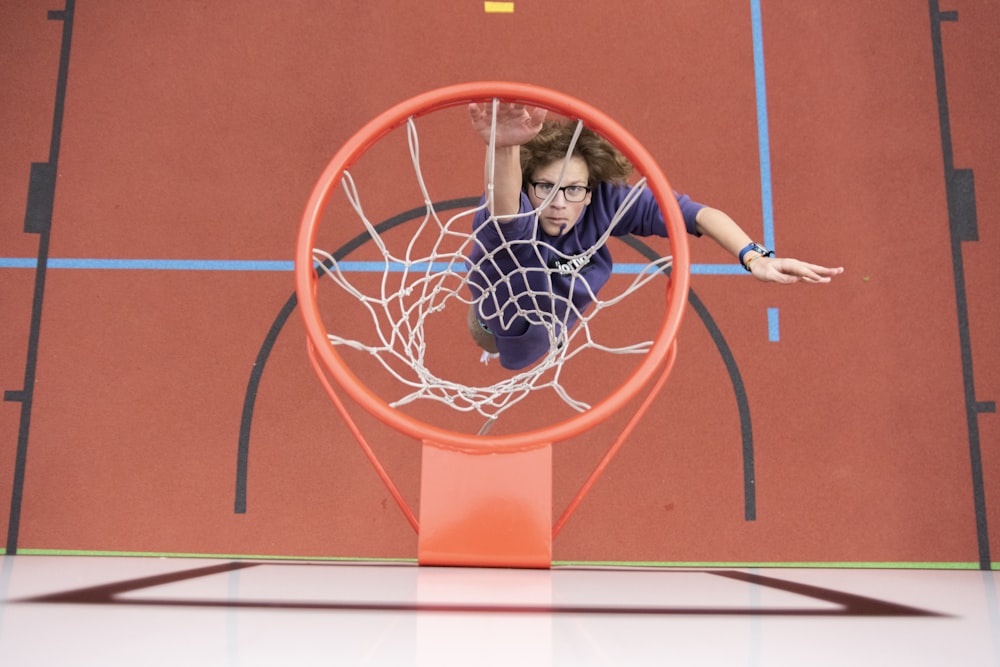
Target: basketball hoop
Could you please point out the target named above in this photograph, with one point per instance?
(440, 441)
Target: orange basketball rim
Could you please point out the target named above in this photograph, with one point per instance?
(452, 530)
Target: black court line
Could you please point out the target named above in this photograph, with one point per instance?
(38, 220)
(847, 605)
(963, 226)
(735, 377)
(256, 375)
(725, 352)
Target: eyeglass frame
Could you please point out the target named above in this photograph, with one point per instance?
(534, 185)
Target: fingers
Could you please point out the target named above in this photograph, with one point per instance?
(787, 270)
(816, 279)
(511, 123)
(479, 113)
(809, 273)
(507, 110)
(814, 273)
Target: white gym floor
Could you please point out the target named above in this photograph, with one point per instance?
(70, 610)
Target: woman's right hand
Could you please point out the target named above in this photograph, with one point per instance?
(517, 124)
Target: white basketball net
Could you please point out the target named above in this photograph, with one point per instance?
(416, 284)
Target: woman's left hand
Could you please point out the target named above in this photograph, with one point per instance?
(788, 270)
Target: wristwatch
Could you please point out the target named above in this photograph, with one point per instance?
(757, 248)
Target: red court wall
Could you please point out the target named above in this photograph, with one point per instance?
(194, 131)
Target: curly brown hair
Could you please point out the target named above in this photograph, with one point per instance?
(605, 163)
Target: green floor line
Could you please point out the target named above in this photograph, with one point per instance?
(167, 554)
(860, 565)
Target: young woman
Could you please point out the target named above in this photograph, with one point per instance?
(533, 280)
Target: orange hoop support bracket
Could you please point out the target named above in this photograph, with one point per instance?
(487, 500)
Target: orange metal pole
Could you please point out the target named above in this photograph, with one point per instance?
(623, 436)
(486, 510)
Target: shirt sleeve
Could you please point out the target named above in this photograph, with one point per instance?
(492, 234)
(689, 211)
(644, 218)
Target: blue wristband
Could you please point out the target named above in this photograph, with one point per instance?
(757, 248)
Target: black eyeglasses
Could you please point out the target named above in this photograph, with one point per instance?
(574, 194)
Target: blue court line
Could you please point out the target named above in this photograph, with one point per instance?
(285, 266)
(764, 149)
(148, 264)
(763, 135)
(773, 332)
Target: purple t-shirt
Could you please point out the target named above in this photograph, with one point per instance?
(542, 283)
